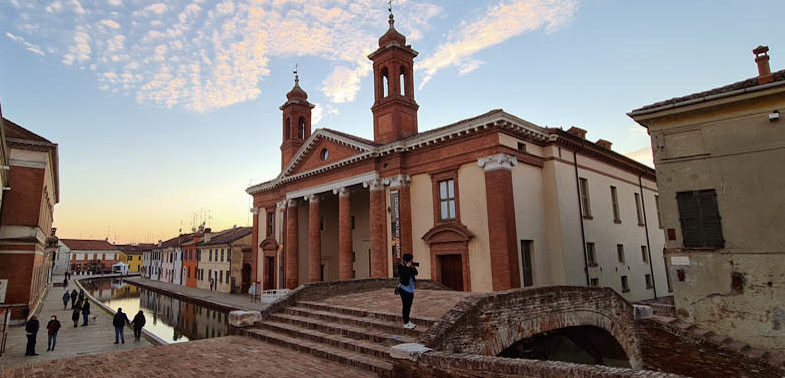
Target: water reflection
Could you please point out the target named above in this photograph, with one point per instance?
(171, 319)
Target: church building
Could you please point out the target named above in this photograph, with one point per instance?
(484, 204)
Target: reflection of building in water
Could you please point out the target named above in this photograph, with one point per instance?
(189, 320)
(110, 289)
(210, 323)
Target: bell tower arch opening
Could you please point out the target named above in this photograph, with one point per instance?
(297, 108)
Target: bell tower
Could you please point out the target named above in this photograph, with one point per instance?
(394, 109)
(296, 121)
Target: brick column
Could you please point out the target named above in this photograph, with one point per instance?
(344, 234)
(291, 244)
(314, 240)
(378, 215)
(255, 249)
(401, 184)
(503, 240)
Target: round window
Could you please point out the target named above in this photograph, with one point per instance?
(325, 154)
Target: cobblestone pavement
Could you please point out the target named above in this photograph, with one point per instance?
(97, 337)
(428, 304)
(232, 356)
(239, 301)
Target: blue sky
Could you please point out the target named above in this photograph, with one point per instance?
(163, 110)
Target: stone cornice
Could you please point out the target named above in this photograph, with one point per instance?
(498, 161)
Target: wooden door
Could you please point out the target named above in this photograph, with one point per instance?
(451, 271)
(269, 273)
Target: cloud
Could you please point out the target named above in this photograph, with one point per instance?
(317, 114)
(110, 23)
(35, 49)
(499, 23)
(343, 83)
(643, 156)
(115, 3)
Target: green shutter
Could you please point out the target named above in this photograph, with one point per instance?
(689, 215)
(710, 219)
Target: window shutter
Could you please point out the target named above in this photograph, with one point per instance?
(710, 216)
(689, 215)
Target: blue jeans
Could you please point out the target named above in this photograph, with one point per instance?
(52, 341)
(118, 334)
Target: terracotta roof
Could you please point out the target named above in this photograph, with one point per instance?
(177, 240)
(353, 137)
(134, 249)
(12, 130)
(228, 236)
(739, 85)
(89, 245)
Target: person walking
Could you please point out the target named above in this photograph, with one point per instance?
(81, 295)
(119, 322)
(138, 323)
(73, 298)
(85, 312)
(31, 329)
(66, 299)
(65, 282)
(407, 270)
(52, 327)
(75, 315)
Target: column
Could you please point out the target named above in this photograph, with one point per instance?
(344, 234)
(378, 215)
(255, 249)
(503, 240)
(291, 244)
(314, 240)
(400, 183)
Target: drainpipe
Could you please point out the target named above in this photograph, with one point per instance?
(646, 229)
(580, 214)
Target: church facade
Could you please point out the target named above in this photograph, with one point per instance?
(484, 204)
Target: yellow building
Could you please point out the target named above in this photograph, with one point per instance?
(132, 254)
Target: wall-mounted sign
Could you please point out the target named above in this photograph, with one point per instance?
(680, 260)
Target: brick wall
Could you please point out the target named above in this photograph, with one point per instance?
(23, 203)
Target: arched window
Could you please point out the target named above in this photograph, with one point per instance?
(301, 128)
(402, 80)
(288, 128)
(385, 82)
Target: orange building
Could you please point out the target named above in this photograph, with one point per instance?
(190, 258)
(27, 242)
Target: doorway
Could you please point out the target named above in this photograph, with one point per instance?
(246, 278)
(269, 273)
(451, 271)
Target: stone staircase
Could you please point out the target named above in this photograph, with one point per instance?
(354, 337)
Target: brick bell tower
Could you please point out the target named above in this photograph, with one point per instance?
(296, 121)
(394, 109)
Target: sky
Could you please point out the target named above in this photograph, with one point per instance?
(165, 112)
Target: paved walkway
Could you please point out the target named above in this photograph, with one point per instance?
(232, 356)
(428, 304)
(97, 337)
(236, 301)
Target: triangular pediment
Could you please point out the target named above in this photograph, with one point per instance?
(325, 148)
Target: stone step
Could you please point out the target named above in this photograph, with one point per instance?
(364, 322)
(394, 318)
(343, 356)
(359, 346)
(378, 334)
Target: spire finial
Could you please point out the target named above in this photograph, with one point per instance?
(389, 8)
(296, 74)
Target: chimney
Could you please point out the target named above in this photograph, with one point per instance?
(578, 132)
(604, 144)
(207, 235)
(762, 58)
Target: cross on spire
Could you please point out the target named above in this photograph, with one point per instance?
(389, 8)
(296, 74)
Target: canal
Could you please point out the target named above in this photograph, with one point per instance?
(171, 319)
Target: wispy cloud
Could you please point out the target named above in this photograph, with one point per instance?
(643, 155)
(35, 49)
(497, 24)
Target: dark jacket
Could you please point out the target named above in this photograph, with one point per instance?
(81, 295)
(86, 308)
(139, 320)
(73, 296)
(32, 326)
(405, 273)
(66, 297)
(119, 320)
(53, 326)
(75, 314)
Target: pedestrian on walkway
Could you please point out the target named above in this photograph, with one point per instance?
(119, 322)
(73, 298)
(52, 327)
(85, 312)
(407, 270)
(65, 282)
(32, 332)
(211, 284)
(66, 299)
(81, 295)
(138, 323)
(75, 315)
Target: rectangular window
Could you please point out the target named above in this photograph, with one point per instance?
(227, 276)
(700, 219)
(644, 254)
(657, 206)
(620, 252)
(447, 199)
(615, 204)
(210, 273)
(625, 286)
(221, 276)
(222, 254)
(321, 223)
(229, 255)
(638, 209)
(521, 147)
(527, 270)
(595, 282)
(585, 203)
(352, 222)
(647, 278)
(591, 254)
(211, 255)
(270, 223)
